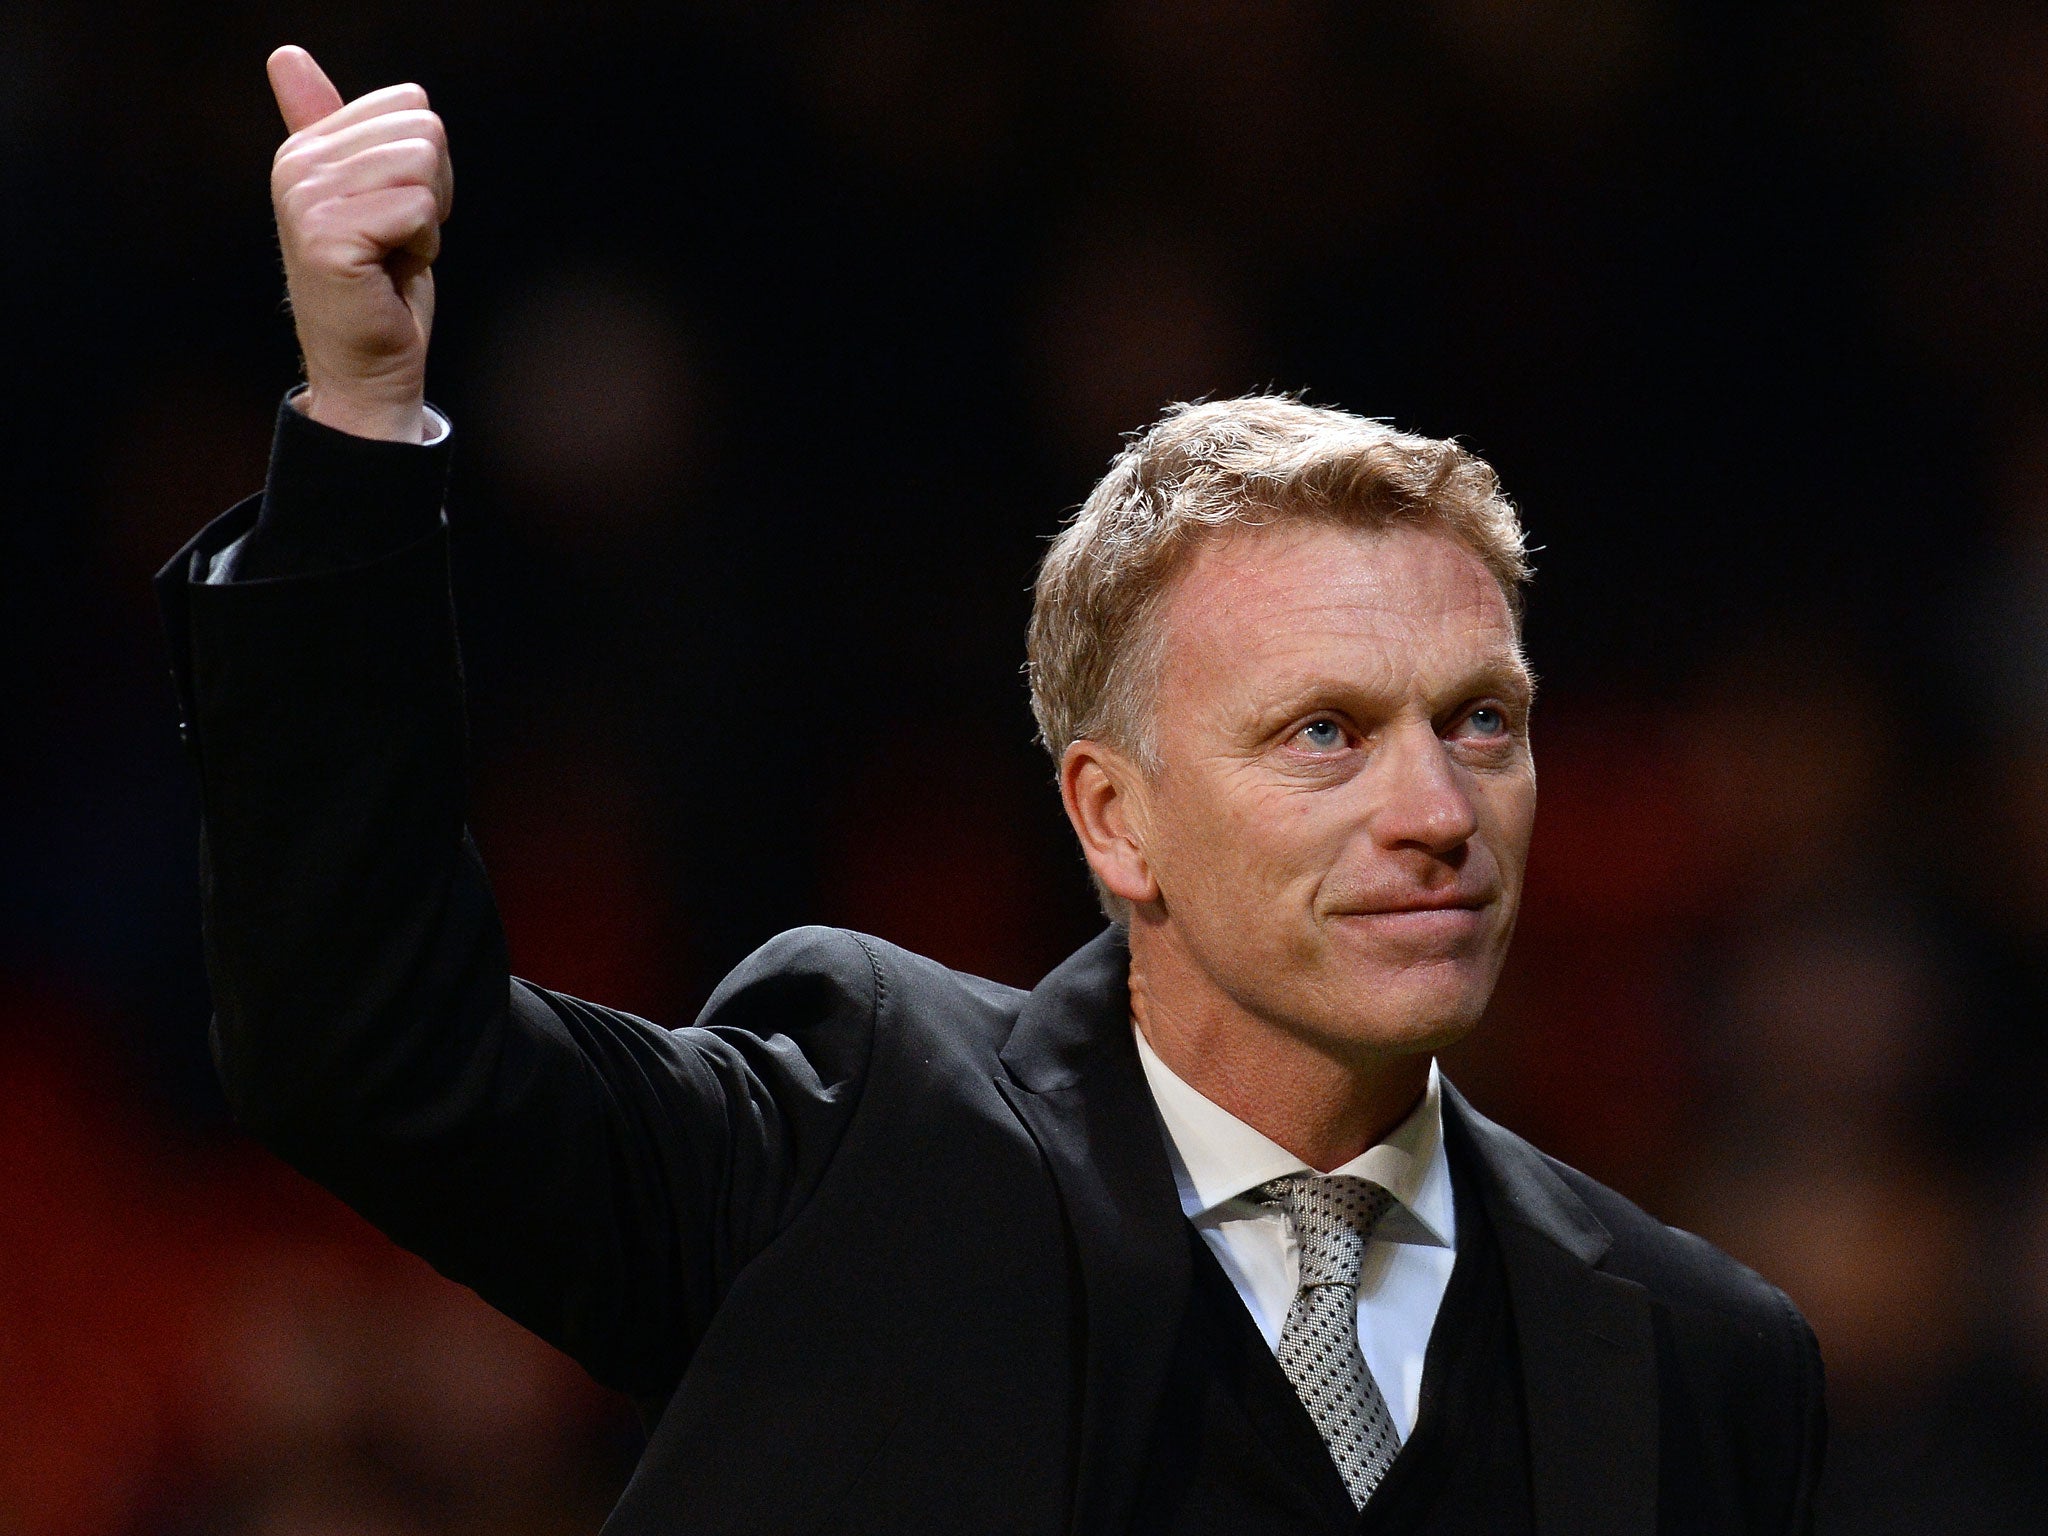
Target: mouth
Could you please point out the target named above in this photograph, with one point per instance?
(1420, 905)
(1444, 926)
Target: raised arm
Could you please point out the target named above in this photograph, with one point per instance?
(598, 1178)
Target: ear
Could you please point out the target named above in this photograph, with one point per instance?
(1107, 801)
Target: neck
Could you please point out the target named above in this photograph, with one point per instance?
(1324, 1101)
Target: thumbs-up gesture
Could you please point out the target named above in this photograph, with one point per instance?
(360, 192)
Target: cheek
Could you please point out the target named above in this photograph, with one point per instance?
(1507, 809)
(1281, 840)
(1239, 845)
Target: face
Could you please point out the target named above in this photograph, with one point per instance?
(1339, 813)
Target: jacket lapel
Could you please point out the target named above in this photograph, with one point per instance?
(1588, 1351)
(1585, 1337)
(1075, 1081)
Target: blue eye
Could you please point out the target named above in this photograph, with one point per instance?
(1488, 722)
(1323, 735)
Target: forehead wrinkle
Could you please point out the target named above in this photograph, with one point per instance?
(1270, 576)
(1258, 604)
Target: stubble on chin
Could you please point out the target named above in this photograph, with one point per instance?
(1379, 999)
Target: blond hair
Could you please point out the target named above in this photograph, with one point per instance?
(1092, 645)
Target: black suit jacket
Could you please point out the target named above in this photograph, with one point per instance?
(878, 1246)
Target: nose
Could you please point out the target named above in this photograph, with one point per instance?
(1422, 800)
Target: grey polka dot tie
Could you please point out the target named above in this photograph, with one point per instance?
(1333, 1215)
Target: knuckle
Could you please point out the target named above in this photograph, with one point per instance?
(329, 257)
(303, 199)
(318, 230)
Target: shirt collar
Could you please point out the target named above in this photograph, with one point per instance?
(1217, 1158)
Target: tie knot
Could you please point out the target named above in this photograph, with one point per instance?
(1333, 1215)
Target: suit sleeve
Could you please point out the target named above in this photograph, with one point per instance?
(333, 500)
(596, 1177)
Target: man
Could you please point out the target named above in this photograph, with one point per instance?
(1191, 1237)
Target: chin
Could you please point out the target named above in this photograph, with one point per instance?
(1361, 992)
(1415, 1009)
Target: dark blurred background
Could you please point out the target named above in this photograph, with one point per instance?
(778, 337)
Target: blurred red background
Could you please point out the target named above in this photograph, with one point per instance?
(777, 339)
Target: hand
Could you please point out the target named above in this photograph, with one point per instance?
(361, 192)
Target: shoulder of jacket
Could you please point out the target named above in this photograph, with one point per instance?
(1695, 1280)
(826, 968)
(830, 971)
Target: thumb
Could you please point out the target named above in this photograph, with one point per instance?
(304, 93)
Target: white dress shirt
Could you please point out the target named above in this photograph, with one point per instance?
(1217, 1159)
